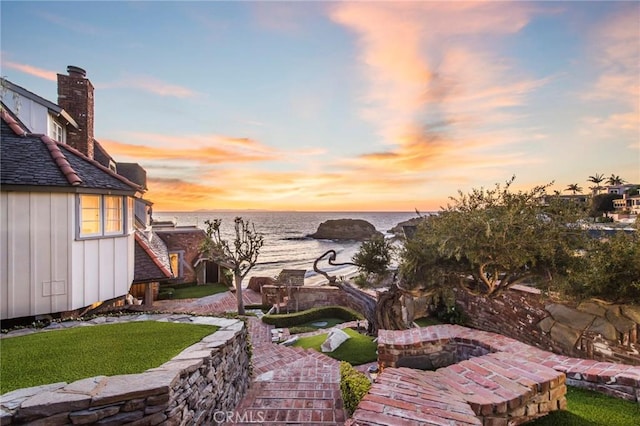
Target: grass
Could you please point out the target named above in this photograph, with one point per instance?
(81, 352)
(589, 408)
(198, 291)
(359, 349)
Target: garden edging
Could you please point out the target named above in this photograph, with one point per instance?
(198, 386)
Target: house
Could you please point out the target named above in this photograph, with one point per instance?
(74, 227)
(66, 226)
(187, 260)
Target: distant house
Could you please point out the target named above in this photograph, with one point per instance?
(75, 229)
(187, 261)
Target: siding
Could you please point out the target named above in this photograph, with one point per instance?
(43, 269)
(35, 229)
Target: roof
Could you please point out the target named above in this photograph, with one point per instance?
(53, 108)
(40, 163)
(151, 258)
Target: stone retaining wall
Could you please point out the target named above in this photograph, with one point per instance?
(437, 344)
(592, 329)
(197, 387)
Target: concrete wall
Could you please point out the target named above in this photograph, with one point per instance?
(200, 386)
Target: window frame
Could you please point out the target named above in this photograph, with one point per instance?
(102, 217)
(56, 130)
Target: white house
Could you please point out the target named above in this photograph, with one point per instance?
(67, 218)
(66, 226)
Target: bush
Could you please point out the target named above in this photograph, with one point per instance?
(297, 318)
(166, 293)
(354, 385)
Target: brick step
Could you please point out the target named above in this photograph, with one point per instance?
(490, 389)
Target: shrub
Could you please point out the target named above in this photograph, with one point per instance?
(297, 318)
(354, 385)
(166, 293)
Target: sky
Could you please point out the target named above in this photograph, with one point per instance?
(344, 105)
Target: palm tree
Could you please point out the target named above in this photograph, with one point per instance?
(597, 179)
(615, 180)
(574, 187)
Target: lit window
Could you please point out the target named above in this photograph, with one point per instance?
(90, 208)
(56, 132)
(101, 215)
(174, 258)
(112, 214)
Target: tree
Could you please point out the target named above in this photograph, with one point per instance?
(374, 257)
(602, 203)
(609, 269)
(615, 180)
(240, 256)
(597, 179)
(489, 240)
(574, 188)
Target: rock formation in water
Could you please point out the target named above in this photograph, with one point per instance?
(346, 229)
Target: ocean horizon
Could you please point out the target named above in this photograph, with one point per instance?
(286, 241)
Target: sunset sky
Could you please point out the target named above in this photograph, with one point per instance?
(344, 106)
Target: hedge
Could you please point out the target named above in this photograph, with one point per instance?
(354, 385)
(290, 320)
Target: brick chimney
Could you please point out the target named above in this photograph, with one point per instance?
(75, 95)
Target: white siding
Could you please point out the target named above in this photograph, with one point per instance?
(44, 270)
(34, 115)
(35, 253)
(102, 269)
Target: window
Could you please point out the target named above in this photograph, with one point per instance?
(113, 214)
(101, 215)
(90, 222)
(55, 132)
(174, 259)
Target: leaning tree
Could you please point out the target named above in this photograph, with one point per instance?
(241, 255)
(488, 240)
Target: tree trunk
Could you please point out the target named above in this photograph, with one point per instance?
(238, 280)
(389, 310)
(361, 302)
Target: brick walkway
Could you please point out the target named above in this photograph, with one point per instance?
(290, 385)
(215, 304)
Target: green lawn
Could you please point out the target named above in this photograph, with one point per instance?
(197, 291)
(81, 352)
(359, 349)
(588, 408)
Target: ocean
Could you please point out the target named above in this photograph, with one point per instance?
(286, 245)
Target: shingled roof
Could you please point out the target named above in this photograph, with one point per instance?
(40, 163)
(151, 259)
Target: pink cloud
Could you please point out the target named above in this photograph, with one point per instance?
(425, 58)
(31, 70)
(151, 85)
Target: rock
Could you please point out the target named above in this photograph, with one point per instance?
(565, 336)
(604, 328)
(570, 317)
(631, 312)
(622, 324)
(290, 341)
(591, 307)
(335, 338)
(346, 229)
(398, 230)
(546, 324)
